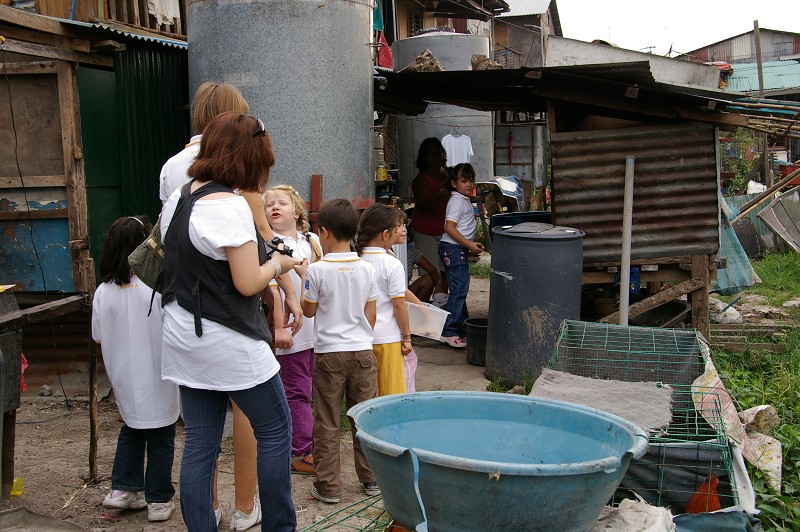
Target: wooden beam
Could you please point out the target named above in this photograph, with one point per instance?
(699, 297)
(33, 21)
(72, 150)
(34, 181)
(658, 299)
(46, 311)
(55, 52)
(38, 214)
(29, 67)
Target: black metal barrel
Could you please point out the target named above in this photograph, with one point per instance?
(535, 283)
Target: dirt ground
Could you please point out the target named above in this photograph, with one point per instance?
(52, 450)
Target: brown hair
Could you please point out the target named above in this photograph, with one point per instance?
(124, 235)
(236, 152)
(340, 218)
(303, 225)
(464, 170)
(213, 98)
(376, 219)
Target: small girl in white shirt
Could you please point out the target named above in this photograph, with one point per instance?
(131, 346)
(377, 232)
(287, 215)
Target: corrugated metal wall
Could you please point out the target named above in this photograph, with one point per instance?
(675, 201)
(153, 101)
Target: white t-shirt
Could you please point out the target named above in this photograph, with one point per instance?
(459, 210)
(173, 173)
(222, 359)
(304, 339)
(341, 284)
(390, 279)
(458, 148)
(131, 344)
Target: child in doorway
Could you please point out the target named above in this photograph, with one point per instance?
(288, 217)
(131, 343)
(340, 294)
(377, 232)
(456, 243)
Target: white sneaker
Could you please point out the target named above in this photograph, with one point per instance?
(129, 500)
(160, 511)
(242, 521)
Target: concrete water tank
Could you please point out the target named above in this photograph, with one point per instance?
(454, 51)
(305, 68)
(535, 283)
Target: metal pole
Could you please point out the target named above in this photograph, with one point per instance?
(765, 137)
(627, 228)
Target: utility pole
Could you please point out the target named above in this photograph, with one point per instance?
(765, 155)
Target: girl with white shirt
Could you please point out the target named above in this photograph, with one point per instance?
(287, 214)
(215, 344)
(131, 342)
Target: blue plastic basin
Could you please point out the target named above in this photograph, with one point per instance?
(491, 461)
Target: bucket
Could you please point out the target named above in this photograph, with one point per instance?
(476, 341)
(463, 461)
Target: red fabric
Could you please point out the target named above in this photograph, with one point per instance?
(385, 58)
(431, 223)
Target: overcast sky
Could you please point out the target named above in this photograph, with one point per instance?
(683, 24)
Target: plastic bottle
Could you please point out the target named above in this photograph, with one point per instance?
(380, 173)
(17, 487)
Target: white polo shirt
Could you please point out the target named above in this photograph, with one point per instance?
(459, 210)
(390, 278)
(304, 339)
(341, 284)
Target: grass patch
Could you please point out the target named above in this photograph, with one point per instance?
(479, 269)
(755, 378)
(780, 277)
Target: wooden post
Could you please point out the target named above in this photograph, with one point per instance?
(93, 418)
(9, 435)
(316, 200)
(77, 205)
(699, 297)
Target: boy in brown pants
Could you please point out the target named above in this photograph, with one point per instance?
(340, 294)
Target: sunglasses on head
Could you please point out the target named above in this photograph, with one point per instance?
(262, 131)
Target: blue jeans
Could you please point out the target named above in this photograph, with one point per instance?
(129, 472)
(204, 415)
(456, 267)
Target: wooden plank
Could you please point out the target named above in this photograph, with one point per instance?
(658, 299)
(46, 311)
(665, 275)
(699, 297)
(35, 181)
(29, 67)
(316, 199)
(77, 204)
(38, 214)
(32, 21)
(54, 52)
(741, 347)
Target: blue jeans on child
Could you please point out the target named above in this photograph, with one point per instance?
(456, 267)
(204, 414)
(129, 473)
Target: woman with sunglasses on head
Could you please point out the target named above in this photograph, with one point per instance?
(211, 99)
(215, 334)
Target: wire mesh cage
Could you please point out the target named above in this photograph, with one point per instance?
(366, 514)
(694, 445)
(627, 353)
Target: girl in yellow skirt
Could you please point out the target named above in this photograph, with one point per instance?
(377, 231)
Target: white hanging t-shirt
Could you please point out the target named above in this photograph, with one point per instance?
(458, 148)
(131, 344)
